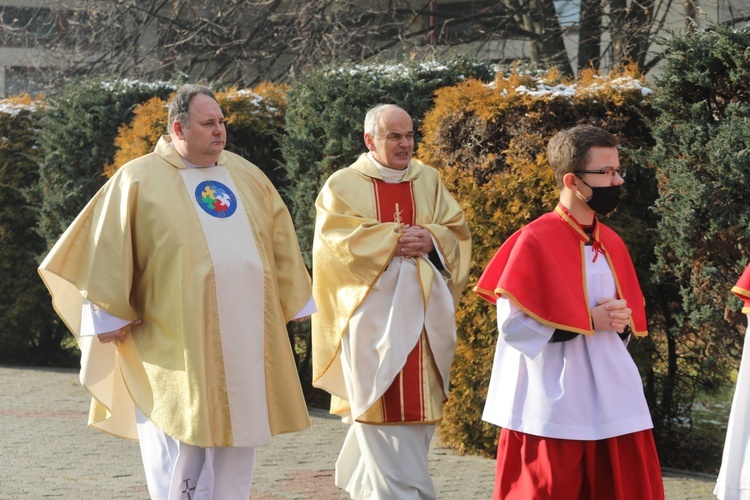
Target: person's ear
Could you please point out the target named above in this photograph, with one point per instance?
(178, 130)
(369, 142)
(570, 181)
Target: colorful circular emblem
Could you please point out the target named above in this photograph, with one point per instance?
(216, 199)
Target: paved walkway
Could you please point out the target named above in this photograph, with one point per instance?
(47, 451)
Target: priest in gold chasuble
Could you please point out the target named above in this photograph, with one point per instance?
(390, 261)
(178, 279)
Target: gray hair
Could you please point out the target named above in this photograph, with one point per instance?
(179, 106)
(372, 118)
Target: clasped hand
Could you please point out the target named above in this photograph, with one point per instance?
(415, 241)
(611, 314)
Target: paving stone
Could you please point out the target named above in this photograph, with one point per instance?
(48, 452)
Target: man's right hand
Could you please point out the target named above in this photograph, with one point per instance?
(611, 314)
(117, 335)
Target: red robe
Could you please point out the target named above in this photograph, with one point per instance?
(541, 269)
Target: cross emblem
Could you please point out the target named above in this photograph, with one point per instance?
(397, 215)
(187, 489)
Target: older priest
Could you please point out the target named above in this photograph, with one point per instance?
(390, 260)
(178, 279)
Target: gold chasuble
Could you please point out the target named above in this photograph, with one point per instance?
(384, 334)
(208, 258)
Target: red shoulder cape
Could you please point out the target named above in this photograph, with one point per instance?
(742, 289)
(541, 269)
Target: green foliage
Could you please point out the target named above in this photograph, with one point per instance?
(325, 120)
(489, 141)
(255, 126)
(703, 165)
(18, 242)
(22, 295)
(77, 141)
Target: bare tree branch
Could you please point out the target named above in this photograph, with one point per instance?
(242, 42)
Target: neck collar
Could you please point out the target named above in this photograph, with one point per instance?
(576, 226)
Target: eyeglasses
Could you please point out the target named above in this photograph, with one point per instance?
(605, 171)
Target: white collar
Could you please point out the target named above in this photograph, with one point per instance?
(389, 175)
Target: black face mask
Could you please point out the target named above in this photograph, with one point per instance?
(603, 199)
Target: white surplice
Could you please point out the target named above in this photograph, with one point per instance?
(587, 388)
(733, 482)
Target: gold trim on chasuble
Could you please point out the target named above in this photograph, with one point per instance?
(416, 394)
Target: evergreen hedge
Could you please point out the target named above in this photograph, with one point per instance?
(78, 128)
(23, 331)
(702, 160)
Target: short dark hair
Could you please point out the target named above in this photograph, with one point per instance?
(568, 150)
(179, 106)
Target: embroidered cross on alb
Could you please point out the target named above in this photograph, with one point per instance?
(187, 489)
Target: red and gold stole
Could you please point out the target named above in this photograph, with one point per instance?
(404, 400)
(394, 202)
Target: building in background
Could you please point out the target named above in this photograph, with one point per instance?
(43, 42)
(25, 28)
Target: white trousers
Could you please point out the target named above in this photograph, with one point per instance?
(386, 462)
(181, 471)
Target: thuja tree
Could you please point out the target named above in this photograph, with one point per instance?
(23, 338)
(78, 128)
(703, 165)
(324, 121)
(489, 142)
(76, 141)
